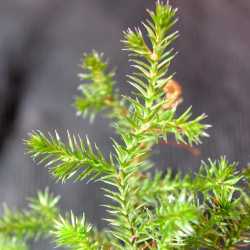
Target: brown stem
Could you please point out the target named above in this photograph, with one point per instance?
(191, 149)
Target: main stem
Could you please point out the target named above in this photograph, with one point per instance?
(122, 173)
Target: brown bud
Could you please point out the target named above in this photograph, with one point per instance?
(173, 92)
(172, 87)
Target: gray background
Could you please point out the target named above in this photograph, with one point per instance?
(41, 43)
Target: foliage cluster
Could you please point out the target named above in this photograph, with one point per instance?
(147, 209)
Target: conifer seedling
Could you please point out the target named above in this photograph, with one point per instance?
(145, 209)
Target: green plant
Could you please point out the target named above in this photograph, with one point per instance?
(210, 210)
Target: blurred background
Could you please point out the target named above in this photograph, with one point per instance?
(41, 43)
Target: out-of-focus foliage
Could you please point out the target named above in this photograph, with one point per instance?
(11, 244)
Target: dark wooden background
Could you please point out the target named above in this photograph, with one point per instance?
(40, 47)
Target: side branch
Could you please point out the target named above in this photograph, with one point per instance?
(76, 159)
